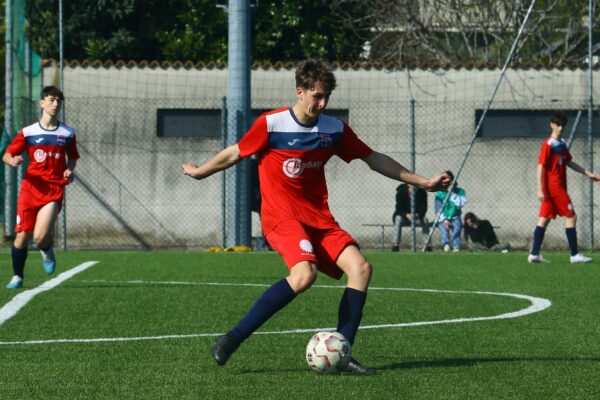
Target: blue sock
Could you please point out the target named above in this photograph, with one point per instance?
(19, 256)
(350, 312)
(572, 239)
(272, 300)
(538, 238)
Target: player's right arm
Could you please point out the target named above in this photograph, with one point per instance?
(539, 175)
(221, 161)
(12, 157)
(13, 161)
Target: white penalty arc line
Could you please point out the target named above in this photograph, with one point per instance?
(11, 308)
(538, 304)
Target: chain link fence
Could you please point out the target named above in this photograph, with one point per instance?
(130, 192)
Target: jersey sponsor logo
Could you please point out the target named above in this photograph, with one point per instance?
(293, 142)
(40, 140)
(293, 167)
(60, 140)
(40, 155)
(306, 246)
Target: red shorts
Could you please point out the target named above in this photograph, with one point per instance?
(557, 203)
(33, 196)
(296, 242)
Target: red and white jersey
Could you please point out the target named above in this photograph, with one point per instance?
(46, 150)
(554, 157)
(291, 161)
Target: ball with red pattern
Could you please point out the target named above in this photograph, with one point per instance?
(328, 352)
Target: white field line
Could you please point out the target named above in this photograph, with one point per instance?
(537, 304)
(11, 308)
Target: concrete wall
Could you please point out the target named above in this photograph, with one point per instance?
(138, 175)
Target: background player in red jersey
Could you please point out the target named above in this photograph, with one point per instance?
(52, 151)
(551, 181)
(293, 145)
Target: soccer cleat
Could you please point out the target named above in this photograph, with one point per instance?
(456, 250)
(354, 367)
(446, 248)
(224, 347)
(531, 259)
(48, 260)
(580, 258)
(15, 283)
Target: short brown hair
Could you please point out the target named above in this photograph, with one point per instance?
(309, 72)
(559, 118)
(52, 91)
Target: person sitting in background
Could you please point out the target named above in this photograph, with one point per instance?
(482, 236)
(403, 216)
(450, 218)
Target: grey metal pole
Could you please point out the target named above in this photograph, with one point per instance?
(64, 118)
(413, 166)
(223, 177)
(9, 211)
(29, 100)
(590, 124)
(239, 216)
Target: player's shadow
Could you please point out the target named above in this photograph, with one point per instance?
(469, 362)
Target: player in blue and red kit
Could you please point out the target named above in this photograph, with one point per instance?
(52, 151)
(293, 145)
(551, 180)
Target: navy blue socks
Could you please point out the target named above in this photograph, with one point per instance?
(538, 238)
(19, 256)
(572, 239)
(272, 300)
(350, 312)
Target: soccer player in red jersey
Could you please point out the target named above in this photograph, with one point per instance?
(293, 145)
(52, 151)
(551, 175)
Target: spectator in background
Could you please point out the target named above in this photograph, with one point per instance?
(450, 220)
(481, 234)
(403, 216)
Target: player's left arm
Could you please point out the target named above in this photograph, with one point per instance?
(68, 172)
(72, 156)
(387, 166)
(578, 168)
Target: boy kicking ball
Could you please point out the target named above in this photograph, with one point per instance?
(551, 174)
(52, 151)
(293, 145)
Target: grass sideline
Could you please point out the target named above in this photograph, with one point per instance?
(550, 354)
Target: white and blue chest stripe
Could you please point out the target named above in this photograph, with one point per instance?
(557, 146)
(35, 135)
(286, 133)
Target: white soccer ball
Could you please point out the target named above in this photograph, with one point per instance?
(328, 352)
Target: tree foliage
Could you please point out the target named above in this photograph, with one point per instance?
(285, 30)
(475, 31)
